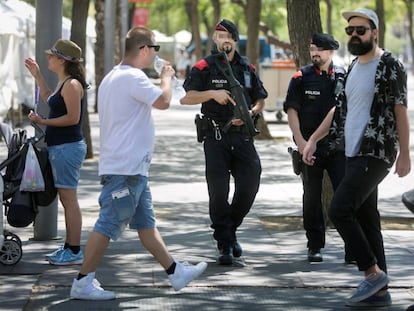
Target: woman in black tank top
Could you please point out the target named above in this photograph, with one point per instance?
(64, 137)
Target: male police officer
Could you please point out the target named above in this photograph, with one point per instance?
(311, 94)
(228, 152)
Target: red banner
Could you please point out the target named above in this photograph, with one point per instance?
(140, 16)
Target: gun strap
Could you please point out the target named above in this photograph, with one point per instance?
(232, 80)
(225, 71)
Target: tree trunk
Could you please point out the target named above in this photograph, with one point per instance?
(327, 194)
(329, 16)
(210, 27)
(409, 5)
(303, 21)
(99, 46)
(253, 8)
(191, 7)
(381, 16)
(78, 35)
(263, 129)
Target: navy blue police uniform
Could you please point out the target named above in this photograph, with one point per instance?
(312, 93)
(230, 153)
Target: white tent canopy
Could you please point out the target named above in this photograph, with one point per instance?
(183, 37)
(17, 39)
(171, 45)
(14, 41)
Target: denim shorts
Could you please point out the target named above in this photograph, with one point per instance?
(66, 162)
(124, 200)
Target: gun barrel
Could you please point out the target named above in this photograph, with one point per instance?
(236, 89)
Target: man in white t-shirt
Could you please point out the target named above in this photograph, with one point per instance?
(125, 100)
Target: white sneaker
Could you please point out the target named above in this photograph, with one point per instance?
(184, 273)
(89, 288)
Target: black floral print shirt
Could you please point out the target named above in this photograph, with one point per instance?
(380, 139)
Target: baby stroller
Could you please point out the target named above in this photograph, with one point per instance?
(20, 208)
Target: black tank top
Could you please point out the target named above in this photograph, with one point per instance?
(57, 135)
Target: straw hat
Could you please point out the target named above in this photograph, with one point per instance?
(67, 50)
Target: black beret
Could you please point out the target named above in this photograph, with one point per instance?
(226, 25)
(324, 41)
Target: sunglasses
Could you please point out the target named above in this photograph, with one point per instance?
(156, 47)
(65, 57)
(360, 30)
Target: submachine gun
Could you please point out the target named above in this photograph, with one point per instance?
(241, 110)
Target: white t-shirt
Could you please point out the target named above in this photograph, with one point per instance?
(125, 99)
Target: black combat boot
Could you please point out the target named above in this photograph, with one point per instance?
(237, 249)
(225, 254)
(314, 255)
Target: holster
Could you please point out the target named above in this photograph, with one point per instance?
(256, 118)
(296, 160)
(201, 127)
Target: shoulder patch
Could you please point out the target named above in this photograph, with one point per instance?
(297, 74)
(200, 65)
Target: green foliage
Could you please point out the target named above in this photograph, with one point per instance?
(394, 16)
(274, 15)
(66, 6)
(169, 16)
(32, 2)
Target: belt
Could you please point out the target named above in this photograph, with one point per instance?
(218, 126)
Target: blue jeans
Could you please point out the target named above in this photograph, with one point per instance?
(124, 200)
(66, 161)
(355, 214)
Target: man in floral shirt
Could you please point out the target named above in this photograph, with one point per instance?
(370, 122)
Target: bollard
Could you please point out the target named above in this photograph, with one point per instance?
(45, 224)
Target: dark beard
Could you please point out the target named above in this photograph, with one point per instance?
(317, 61)
(227, 49)
(357, 47)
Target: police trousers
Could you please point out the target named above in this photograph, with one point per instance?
(354, 210)
(232, 155)
(312, 180)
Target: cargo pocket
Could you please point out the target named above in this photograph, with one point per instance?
(122, 202)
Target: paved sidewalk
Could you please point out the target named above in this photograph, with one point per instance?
(274, 273)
